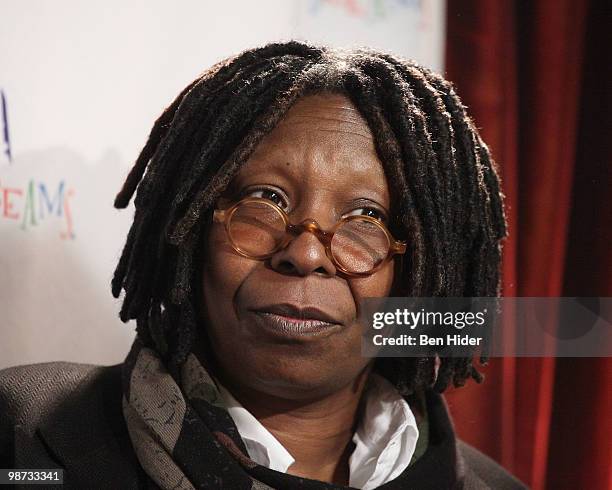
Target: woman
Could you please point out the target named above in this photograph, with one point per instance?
(278, 190)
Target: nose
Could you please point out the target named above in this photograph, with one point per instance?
(304, 255)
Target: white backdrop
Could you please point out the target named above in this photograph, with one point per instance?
(81, 84)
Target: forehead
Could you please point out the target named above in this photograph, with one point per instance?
(323, 140)
(328, 112)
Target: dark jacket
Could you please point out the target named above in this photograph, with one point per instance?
(66, 415)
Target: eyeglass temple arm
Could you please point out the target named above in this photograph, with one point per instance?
(219, 215)
(398, 247)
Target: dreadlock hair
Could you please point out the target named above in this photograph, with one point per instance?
(444, 186)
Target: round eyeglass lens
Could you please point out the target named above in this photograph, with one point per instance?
(359, 245)
(256, 228)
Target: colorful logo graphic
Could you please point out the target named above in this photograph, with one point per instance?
(37, 201)
(31, 205)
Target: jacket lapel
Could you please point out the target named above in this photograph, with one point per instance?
(87, 435)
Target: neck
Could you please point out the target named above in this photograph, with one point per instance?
(317, 433)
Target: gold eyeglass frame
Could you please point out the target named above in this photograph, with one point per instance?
(224, 216)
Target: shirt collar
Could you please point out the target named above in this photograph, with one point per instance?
(385, 438)
(263, 447)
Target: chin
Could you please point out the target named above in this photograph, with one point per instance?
(295, 379)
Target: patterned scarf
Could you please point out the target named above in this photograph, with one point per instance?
(184, 437)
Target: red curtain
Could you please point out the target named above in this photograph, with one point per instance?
(535, 77)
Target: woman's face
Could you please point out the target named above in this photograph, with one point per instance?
(319, 163)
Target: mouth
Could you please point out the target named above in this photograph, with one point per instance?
(288, 320)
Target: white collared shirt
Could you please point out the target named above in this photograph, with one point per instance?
(385, 438)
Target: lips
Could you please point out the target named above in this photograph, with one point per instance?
(298, 313)
(290, 320)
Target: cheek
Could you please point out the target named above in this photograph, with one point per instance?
(377, 285)
(223, 273)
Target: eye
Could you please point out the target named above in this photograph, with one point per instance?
(369, 211)
(272, 195)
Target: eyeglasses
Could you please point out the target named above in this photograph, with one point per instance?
(357, 245)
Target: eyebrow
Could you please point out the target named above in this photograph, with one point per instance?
(362, 187)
